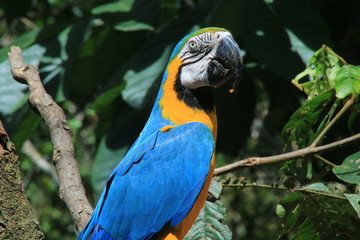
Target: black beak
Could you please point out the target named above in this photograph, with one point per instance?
(226, 64)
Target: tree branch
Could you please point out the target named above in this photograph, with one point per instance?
(301, 153)
(71, 190)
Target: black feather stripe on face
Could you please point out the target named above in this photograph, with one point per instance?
(200, 98)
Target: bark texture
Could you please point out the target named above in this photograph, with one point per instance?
(17, 219)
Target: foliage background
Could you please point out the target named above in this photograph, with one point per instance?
(103, 62)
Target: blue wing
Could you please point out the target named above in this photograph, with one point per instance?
(155, 185)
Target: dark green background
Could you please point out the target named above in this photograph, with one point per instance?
(103, 64)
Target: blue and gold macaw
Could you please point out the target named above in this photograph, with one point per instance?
(159, 188)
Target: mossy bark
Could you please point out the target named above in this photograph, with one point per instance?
(17, 219)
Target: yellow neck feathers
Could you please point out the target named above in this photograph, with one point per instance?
(176, 110)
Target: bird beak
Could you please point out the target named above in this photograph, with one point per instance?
(226, 64)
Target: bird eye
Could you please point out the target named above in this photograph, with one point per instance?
(192, 45)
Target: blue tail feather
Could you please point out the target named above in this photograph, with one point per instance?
(98, 234)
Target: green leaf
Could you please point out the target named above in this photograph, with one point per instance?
(291, 217)
(354, 200)
(337, 188)
(267, 40)
(210, 225)
(299, 46)
(132, 25)
(347, 81)
(319, 216)
(12, 95)
(280, 211)
(317, 187)
(71, 41)
(215, 188)
(100, 57)
(291, 198)
(105, 99)
(306, 231)
(118, 130)
(106, 160)
(23, 42)
(138, 83)
(145, 67)
(322, 68)
(227, 16)
(349, 170)
(27, 39)
(119, 6)
(301, 127)
(25, 122)
(305, 26)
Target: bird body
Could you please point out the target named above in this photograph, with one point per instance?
(159, 188)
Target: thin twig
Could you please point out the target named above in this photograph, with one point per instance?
(71, 191)
(34, 155)
(301, 153)
(301, 189)
(28, 23)
(333, 121)
(324, 160)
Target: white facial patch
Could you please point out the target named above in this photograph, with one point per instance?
(197, 56)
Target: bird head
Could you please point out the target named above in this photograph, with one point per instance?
(210, 57)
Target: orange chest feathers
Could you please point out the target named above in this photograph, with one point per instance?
(179, 113)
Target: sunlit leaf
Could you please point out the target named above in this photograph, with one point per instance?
(321, 187)
(215, 188)
(138, 83)
(280, 211)
(118, 6)
(322, 69)
(347, 81)
(132, 25)
(349, 170)
(354, 200)
(12, 94)
(299, 46)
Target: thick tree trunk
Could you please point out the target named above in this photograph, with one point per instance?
(17, 219)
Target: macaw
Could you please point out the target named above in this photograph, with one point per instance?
(160, 186)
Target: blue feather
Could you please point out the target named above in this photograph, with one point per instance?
(155, 185)
(99, 233)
